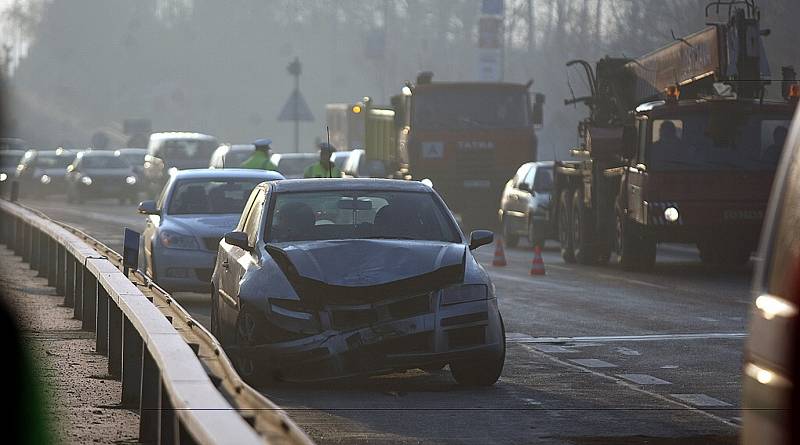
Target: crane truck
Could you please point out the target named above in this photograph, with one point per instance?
(680, 145)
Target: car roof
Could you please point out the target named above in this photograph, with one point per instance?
(181, 135)
(12, 152)
(297, 155)
(211, 173)
(96, 153)
(335, 184)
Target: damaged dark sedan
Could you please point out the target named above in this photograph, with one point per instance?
(326, 278)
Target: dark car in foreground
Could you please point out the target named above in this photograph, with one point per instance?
(42, 172)
(771, 381)
(525, 204)
(97, 174)
(328, 278)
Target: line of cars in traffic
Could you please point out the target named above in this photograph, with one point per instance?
(308, 278)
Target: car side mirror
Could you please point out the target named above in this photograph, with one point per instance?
(148, 208)
(480, 238)
(238, 239)
(523, 186)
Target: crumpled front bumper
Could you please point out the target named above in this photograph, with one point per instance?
(458, 332)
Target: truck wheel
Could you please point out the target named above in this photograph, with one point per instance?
(565, 227)
(484, 371)
(625, 245)
(581, 231)
(511, 239)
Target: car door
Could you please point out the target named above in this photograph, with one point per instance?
(235, 261)
(516, 203)
(637, 176)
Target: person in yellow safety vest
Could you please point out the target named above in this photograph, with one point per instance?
(324, 168)
(260, 158)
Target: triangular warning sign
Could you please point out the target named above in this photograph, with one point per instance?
(296, 109)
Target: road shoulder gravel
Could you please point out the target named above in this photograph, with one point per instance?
(82, 397)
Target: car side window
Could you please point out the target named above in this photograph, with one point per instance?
(521, 172)
(529, 178)
(246, 212)
(253, 221)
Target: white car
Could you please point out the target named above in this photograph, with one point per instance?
(184, 226)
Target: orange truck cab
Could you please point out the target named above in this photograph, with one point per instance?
(465, 137)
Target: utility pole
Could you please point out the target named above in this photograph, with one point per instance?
(295, 69)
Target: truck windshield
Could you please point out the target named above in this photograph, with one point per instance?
(306, 216)
(451, 108)
(703, 141)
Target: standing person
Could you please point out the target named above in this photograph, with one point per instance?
(324, 168)
(260, 157)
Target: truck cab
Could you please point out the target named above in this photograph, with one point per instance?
(698, 172)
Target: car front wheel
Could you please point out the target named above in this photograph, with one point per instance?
(484, 371)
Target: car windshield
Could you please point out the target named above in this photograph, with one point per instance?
(132, 158)
(9, 160)
(723, 141)
(176, 152)
(294, 166)
(448, 108)
(102, 162)
(304, 216)
(53, 161)
(204, 196)
(339, 159)
(235, 158)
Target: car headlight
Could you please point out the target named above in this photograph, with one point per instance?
(172, 240)
(464, 293)
(130, 180)
(45, 179)
(86, 180)
(3, 177)
(671, 214)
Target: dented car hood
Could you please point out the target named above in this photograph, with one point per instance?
(368, 270)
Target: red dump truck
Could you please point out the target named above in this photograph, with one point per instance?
(680, 146)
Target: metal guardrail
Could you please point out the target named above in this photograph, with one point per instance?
(172, 369)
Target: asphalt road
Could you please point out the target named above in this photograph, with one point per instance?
(595, 355)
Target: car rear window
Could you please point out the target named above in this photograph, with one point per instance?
(102, 162)
(329, 215)
(203, 196)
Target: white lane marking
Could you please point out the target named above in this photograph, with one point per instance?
(534, 282)
(521, 338)
(700, 400)
(553, 349)
(627, 351)
(708, 319)
(633, 387)
(669, 367)
(630, 280)
(644, 379)
(592, 363)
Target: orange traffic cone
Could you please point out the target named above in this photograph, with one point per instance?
(537, 264)
(499, 254)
